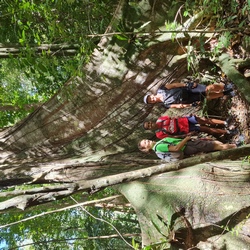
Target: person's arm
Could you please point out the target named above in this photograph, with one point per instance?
(191, 133)
(181, 85)
(180, 145)
(162, 136)
(175, 85)
(180, 106)
(179, 136)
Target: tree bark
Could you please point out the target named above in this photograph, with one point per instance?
(89, 177)
(7, 107)
(206, 205)
(228, 66)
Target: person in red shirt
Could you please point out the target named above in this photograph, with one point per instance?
(166, 126)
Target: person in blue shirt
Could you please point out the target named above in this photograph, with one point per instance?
(183, 95)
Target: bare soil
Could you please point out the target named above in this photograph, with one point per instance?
(238, 109)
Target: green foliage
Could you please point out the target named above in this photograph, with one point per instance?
(135, 244)
(212, 7)
(246, 159)
(235, 231)
(33, 78)
(70, 229)
(37, 75)
(58, 21)
(172, 26)
(227, 18)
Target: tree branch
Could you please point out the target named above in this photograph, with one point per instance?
(96, 184)
(28, 200)
(39, 196)
(37, 190)
(61, 209)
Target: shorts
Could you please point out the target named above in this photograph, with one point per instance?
(201, 88)
(196, 94)
(193, 124)
(198, 146)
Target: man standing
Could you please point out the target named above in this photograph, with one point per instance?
(183, 95)
(166, 126)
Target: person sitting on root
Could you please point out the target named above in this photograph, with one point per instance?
(185, 147)
(187, 94)
(179, 127)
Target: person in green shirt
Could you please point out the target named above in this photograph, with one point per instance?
(168, 147)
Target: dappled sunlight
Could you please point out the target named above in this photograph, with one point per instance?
(91, 63)
(193, 193)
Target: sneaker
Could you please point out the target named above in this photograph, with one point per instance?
(229, 86)
(232, 132)
(229, 92)
(232, 94)
(239, 144)
(240, 141)
(228, 121)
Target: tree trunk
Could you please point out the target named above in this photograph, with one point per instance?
(85, 139)
(206, 205)
(7, 107)
(90, 177)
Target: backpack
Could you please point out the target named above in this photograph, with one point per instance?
(168, 156)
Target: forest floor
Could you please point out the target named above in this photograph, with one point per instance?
(235, 107)
(241, 113)
(238, 109)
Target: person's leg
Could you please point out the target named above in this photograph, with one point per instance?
(210, 121)
(218, 146)
(205, 146)
(198, 146)
(213, 131)
(211, 95)
(215, 88)
(200, 88)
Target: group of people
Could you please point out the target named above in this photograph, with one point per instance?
(175, 133)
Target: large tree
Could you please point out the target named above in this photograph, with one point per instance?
(85, 137)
